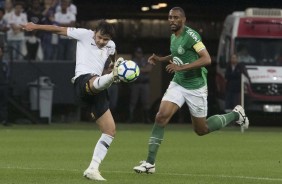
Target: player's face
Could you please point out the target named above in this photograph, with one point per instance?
(176, 20)
(101, 40)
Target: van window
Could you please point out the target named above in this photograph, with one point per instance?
(257, 51)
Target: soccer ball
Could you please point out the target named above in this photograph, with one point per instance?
(128, 71)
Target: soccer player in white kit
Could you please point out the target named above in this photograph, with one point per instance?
(93, 50)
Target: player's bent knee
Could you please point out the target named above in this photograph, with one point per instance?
(161, 119)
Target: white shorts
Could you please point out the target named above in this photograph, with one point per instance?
(196, 99)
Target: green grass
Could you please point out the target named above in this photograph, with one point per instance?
(59, 153)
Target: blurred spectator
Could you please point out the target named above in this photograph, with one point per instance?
(4, 87)
(65, 19)
(278, 58)
(33, 43)
(15, 35)
(3, 28)
(33, 46)
(2, 3)
(71, 8)
(49, 41)
(233, 82)
(34, 13)
(140, 89)
(244, 55)
(9, 8)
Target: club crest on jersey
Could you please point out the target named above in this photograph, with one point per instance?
(177, 61)
(180, 50)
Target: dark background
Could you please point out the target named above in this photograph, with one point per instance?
(200, 9)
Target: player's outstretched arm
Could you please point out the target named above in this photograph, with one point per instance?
(50, 28)
(154, 58)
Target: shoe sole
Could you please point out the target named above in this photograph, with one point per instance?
(85, 176)
(116, 77)
(140, 172)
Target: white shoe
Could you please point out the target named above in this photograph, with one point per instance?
(145, 167)
(93, 174)
(243, 119)
(115, 69)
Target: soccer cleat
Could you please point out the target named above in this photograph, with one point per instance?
(145, 167)
(93, 174)
(243, 119)
(115, 69)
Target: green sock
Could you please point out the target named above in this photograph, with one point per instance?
(155, 142)
(216, 122)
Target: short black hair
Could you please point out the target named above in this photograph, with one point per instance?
(19, 3)
(2, 10)
(105, 28)
(179, 9)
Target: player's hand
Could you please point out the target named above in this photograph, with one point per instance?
(28, 26)
(172, 67)
(153, 59)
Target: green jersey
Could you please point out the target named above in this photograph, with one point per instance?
(184, 50)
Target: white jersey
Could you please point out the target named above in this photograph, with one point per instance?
(89, 58)
(13, 19)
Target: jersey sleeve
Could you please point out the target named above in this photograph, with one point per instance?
(79, 33)
(196, 41)
(199, 46)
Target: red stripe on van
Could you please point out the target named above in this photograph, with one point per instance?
(260, 27)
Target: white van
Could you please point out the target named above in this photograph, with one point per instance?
(260, 31)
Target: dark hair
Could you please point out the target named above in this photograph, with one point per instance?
(179, 9)
(19, 3)
(105, 28)
(2, 10)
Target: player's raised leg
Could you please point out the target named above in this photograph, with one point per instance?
(100, 83)
(216, 122)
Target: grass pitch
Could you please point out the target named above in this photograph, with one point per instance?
(59, 153)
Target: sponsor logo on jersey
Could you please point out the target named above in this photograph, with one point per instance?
(177, 61)
(192, 34)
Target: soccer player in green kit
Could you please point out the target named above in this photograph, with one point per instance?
(189, 85)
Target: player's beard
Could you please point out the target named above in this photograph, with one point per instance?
(99, 45)
(174, 28)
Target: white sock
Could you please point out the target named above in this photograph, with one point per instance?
(100, 150)
(103, 82)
